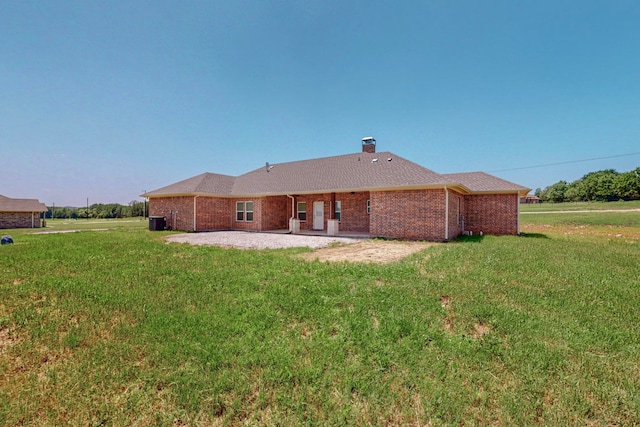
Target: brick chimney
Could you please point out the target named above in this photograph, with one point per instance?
(368, 145)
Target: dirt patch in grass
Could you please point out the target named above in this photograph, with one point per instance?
(480, 329)
(368, 251)
(8, 337)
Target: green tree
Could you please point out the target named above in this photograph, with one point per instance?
(555, 193)
(599, 186)
(576, 192)
(137, 208)
(627, 185)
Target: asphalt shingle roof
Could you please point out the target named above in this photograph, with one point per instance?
(349, 172)
(8, 204)
(206, 183)
(481, 182)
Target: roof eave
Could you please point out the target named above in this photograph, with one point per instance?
(352, 190)
(523, 192)
(457, 187)
(24, 211)
(151, 196)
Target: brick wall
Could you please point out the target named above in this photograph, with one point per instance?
(253, 225)
(354, 215)
(456, 210)
(218, 213)
(20, 220)
(411, 214)
(269, 213)
(276, 212)
(214, 213)
(177, 210)
(491, 213)
(368, 148)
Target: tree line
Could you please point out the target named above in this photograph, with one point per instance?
(604, 185)
(100, 210)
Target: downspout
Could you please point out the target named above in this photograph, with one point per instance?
(194, 213)
(446, 214)
(293, 212)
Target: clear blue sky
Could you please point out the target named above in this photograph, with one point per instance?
(105, 99)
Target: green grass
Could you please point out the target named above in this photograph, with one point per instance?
(626, 219)
(118, 328)
(579, 206)
(94, 224)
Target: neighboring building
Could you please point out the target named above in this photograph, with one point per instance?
(20, 213)
(529, 198)
(374, 194)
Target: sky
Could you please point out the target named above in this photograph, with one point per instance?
(103, 100)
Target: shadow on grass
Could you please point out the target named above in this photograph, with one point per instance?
(534, 235)
(470, 239)
(478, 238)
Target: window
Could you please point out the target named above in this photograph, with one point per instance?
(338, 210)
(239, 211)
(368, 207)
(248, 210)
(302, 211)
(244, 211)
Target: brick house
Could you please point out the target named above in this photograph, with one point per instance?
(20, 213)
(530, 199)
(369, 193)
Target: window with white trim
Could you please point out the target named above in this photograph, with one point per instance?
(248, 211)
(338, 210)
(302, 211)
(244, 211)
(368, 207)
(239, 211)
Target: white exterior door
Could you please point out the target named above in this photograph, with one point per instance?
(318, 215)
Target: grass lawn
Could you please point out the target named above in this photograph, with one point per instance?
(116, 327)
(96, 224)
(579, 206)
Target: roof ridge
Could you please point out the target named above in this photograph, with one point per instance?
(324, 158)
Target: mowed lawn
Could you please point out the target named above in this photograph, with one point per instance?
(116, 327)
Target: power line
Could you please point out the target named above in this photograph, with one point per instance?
(565, 163)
